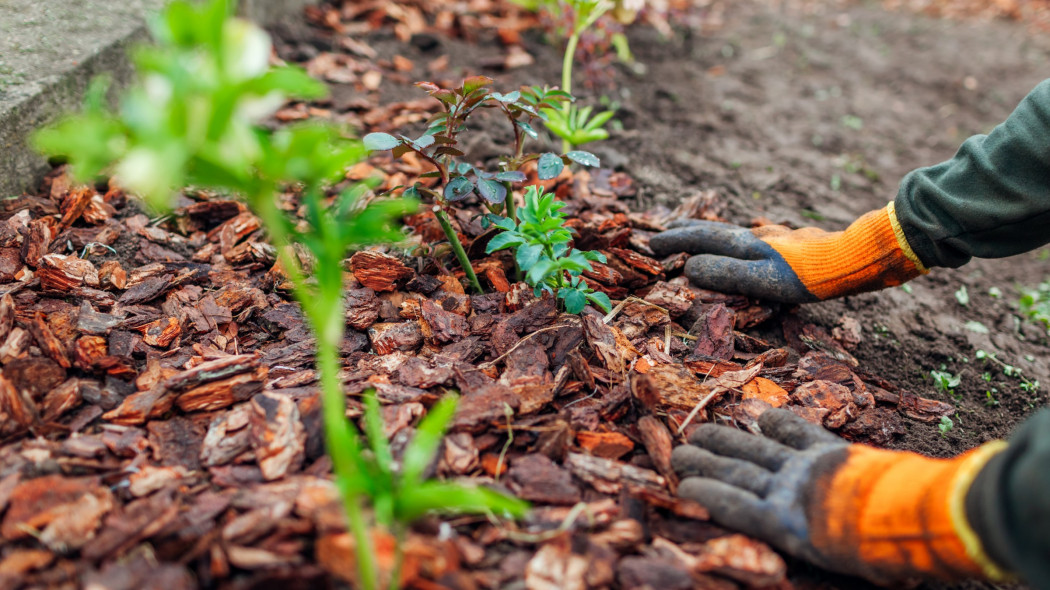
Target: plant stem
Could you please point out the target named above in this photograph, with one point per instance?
(326, 320)
(512, 213)
(399, 557)
(566, 77)
(512, 210)
(457, 247)
(337, 437)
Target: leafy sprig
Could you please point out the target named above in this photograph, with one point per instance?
(438, 144)
(458, 180)
(541, 242)
(576, 125)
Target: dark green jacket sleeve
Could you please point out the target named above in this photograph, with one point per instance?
(1008, 504)
(991, 200)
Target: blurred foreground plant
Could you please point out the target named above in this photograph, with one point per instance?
(193, 120)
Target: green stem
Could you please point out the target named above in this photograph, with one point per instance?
(512, 210)
(512, 213)
(457, 247)
(341, 440)
(338, 439)
(399, 558)
(566, 78)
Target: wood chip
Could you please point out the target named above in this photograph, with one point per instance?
(379, 271)
(608, 476)
(277, 435)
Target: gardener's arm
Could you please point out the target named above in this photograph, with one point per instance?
(991, 200)
(883, 515)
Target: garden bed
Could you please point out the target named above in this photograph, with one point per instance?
(162, 416)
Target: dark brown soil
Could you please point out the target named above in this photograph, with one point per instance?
(812, 119)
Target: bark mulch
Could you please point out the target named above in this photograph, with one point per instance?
(160, 416)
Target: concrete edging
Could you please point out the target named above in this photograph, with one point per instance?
(50, 51)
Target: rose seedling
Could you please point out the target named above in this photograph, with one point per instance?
(458, 180)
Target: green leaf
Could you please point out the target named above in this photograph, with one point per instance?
(411, 193)
(600, 119)
(511, 176)
(549, 166)
(539, 271)
(292, 81)
(575, 301)
(475, 82)
(601, 300)
(451, 498)
(424, 141)
(445, 96)
(420, 452)
(528, 255)
(373, 419)
(504, 223)
(584, 158)
(492, 191)
(458, 189)
(527, 129)
(508, 97)
(378, 142)
(504, 240)
(595, 255)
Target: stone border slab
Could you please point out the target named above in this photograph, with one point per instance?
(49, 52)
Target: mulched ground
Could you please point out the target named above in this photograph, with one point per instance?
(161, 418)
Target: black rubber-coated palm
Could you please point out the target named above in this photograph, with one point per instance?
(730, 259)
(759, 485)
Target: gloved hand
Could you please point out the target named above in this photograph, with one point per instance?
(794, 266)
(854, 509)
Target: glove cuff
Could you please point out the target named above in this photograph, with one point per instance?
(895, 515)
(871, 254)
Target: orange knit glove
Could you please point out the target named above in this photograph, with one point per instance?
(795, 266)
(883, 515)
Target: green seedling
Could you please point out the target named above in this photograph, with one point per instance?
(1035, 303)
(577, 126)
(459, 180)
(193, 119)
(541, 242)
(989, 398)
(1008, 370)
(945, 425)
(402, 496)
(574, 125)
(945, 381)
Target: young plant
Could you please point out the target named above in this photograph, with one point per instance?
(402, 496)
(1035, 303)
(458, 180)
(573, 124)
(576, 126)
(945, 381)
(945, 425)
(193, 119)
(541, 243)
